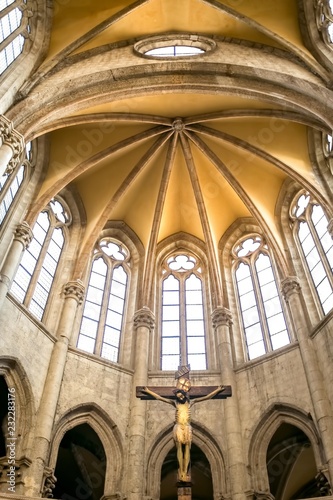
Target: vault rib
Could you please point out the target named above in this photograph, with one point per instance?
(260, 153)
(151, 251)
(236, 186)
(217, 297)
(121, 191)
(89, 163)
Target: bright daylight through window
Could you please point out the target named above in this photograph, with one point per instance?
(259, 299)
(183, 325)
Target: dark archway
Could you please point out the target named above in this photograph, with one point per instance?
(202, 485)
(81, 465)
(3, 415)
(291, 465)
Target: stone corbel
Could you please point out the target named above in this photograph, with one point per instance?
(49, 482)
(20, 467)
(323, 483)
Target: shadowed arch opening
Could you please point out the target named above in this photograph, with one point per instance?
(291, 464)
(3, 415)
(81, 465)
(202, 484)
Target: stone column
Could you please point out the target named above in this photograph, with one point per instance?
(222, 320)
(74, 293)
(322, 407)
(330, 228)
(11, 146)
(22, 237)
(144, 322)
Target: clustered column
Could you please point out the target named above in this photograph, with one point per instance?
(22, 238)
(144, 322)
(73, 293)
(11, 146)
(222, 321)
(321, 404)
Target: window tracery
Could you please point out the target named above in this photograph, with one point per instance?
(104, 306)
(182, 322)
(310, 226)
(259, 299)
(35, 275)
(328, 150)
(14, 27)
(324, 12)
(11, 182)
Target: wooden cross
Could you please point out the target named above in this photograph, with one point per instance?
(182, 398)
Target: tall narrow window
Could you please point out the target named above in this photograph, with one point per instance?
(34, 278)
(183, 326)
(10, 184)
(259, 298)
(104, 306)
(316, 245)
(12, 25)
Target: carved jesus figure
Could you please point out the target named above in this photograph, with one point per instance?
(182, 431)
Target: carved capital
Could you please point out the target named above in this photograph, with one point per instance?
(74, 290)
(16, 142)
(21, 465)
(289, 286)
(23, 234)
(221, 316)
(6, 127)
(144, 317)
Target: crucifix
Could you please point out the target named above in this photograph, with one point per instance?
(183, 397)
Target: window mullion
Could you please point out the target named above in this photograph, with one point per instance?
(182, 312)
(39, 265)
(260, 305)
(104, 310)
(320, 250)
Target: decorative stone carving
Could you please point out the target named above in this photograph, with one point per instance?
(144, 317)
(20, 466)
(323, 483)
(221, 316)
(23, 234)
(289, 286)
(5, 280)
(6, 127)
(17, 144)
(48, 483)
(74, 290)
(14, 140)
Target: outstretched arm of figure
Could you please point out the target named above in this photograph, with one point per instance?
(210, 395)
(157, 396)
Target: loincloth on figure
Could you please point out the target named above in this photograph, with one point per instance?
(182, 433)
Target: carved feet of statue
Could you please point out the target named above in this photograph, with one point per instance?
(184, 477)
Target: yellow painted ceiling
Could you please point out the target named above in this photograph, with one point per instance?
(117, 153)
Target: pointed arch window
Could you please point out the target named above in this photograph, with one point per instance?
(183, 323)
(13, 24)
(11, 182)
(104, 307)
(328, 149)
(316, 246)
(35, 275)
(259, 299)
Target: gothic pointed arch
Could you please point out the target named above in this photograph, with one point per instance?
(105, 428)
(305, 435)
(163, 444)
(16, 378)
